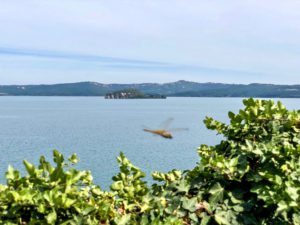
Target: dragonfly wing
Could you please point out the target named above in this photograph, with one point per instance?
(177, 129)
(165, 124)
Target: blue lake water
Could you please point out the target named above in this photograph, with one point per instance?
(98, 129)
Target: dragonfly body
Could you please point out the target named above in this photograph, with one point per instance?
(162, 133)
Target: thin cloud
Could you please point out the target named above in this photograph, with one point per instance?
(73, 56)
(112, 63)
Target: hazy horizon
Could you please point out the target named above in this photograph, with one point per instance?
(19, 84)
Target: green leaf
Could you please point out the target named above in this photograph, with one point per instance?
(144, 220)
(87, 210)
(123, 220)
(217, 193)
(73, 158)
(281, 206)
(51, 217)
(30, 168)
(189, 204)
(181, 213)
(221, 218)
(293, 191)
(204, 219)
(12, 174)
(41, 208)
(193, 216)
(58, 158)
(182, 186)
(296, 218)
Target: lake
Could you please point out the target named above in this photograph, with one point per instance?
(98, 129)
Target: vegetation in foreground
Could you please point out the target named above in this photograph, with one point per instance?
(251, 177)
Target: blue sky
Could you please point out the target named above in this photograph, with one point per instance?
(126, 41)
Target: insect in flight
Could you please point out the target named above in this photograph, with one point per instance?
(165, 133)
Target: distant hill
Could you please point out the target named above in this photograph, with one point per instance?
(179, 88)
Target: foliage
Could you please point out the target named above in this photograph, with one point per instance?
(251, 177)
(51, 195)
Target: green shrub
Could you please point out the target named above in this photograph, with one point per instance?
(251, 177)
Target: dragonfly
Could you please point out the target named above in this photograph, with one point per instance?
(165, 133)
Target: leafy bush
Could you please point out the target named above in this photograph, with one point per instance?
(251, 177)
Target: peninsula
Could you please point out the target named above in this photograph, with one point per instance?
(130, 93)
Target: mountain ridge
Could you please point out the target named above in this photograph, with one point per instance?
(179, 88)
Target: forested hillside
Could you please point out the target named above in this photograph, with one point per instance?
(179, 88)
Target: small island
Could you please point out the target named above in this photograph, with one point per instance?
(131, 93)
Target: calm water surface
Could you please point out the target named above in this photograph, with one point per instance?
(98, 129)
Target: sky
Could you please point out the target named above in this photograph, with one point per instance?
(136, 41)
